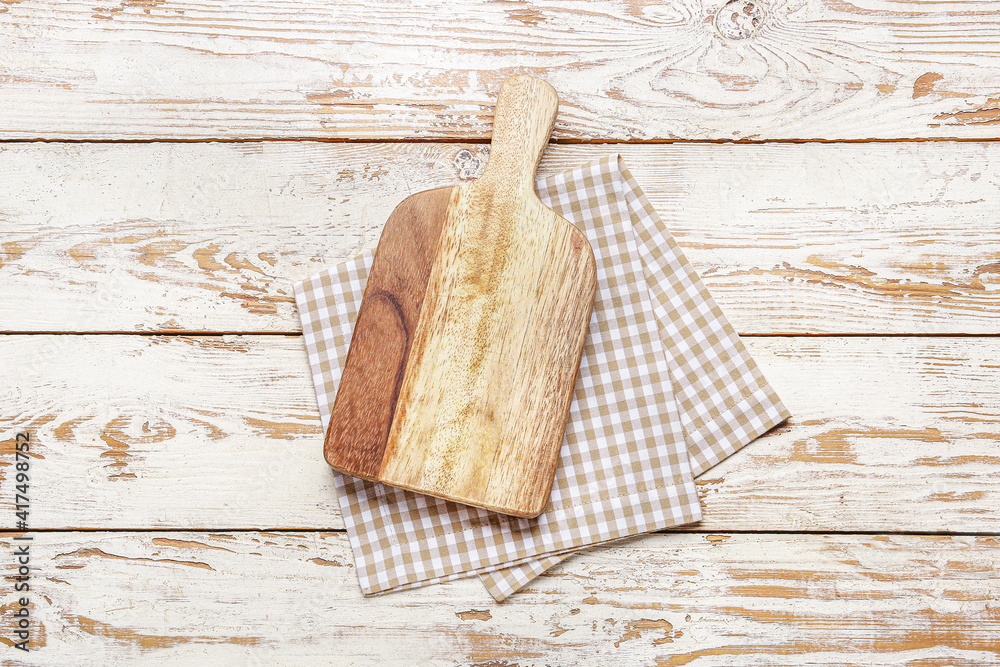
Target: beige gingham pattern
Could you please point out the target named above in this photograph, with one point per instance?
(625, 461)
(724, 400)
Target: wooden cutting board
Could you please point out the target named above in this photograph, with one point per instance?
(464, 355)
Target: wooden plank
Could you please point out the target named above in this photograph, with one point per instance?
(818, 238)
(671, 600)
(888, 434)
(626, 71)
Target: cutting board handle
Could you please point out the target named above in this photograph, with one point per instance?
(522, 123)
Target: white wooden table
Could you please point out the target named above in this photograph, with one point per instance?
(169, 168)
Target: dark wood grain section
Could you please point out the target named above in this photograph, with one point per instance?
(369, 388)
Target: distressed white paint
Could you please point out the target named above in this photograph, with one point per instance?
(889, 435)
(221, 432)
(684, 599)
(625, 70)
(820, 238)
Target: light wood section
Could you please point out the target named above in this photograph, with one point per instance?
(681, 599)
(488, 383)
(630, 70)
(820, 238)
(888, 434)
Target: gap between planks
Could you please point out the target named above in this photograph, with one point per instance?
(564, 141)
(669, 531)
(298, 334)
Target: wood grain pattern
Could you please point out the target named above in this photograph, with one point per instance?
(819, 238)
(681, 599)
(383, 335)
(631, 70)
(488, 384)
(902, 423)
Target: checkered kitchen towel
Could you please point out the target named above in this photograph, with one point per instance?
(665, 390)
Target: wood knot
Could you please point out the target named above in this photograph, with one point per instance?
(468, 165)
(740, 19)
